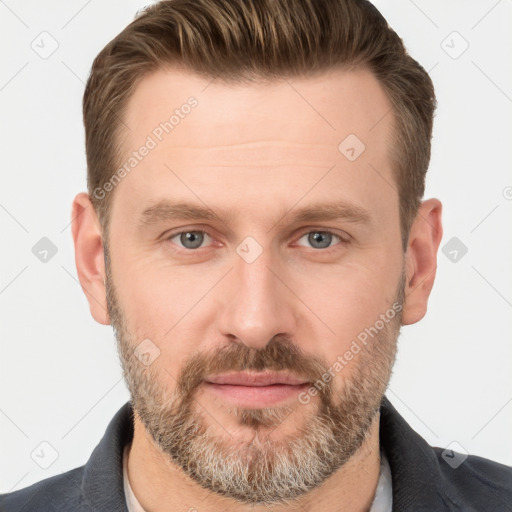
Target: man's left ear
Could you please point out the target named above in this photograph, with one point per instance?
(421, 260)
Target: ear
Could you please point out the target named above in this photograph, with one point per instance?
(89, 259)
(421, 260)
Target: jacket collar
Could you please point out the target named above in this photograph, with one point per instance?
(102, 485)
(415, 471)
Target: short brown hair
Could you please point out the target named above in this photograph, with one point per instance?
(248, 40)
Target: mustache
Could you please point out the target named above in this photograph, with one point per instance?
(278, 355)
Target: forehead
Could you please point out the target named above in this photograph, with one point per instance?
(326, 107)
(228, 140)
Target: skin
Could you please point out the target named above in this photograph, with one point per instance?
(255, 152)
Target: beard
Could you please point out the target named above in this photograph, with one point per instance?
(262, 470)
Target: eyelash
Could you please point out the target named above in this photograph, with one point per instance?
(342, 240)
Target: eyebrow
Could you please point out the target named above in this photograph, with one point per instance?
(166, 210)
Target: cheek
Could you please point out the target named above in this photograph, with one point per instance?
(347, 299)
(157, 293)
(159, 303)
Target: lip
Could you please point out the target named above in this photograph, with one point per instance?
(256, 389)
(256, 379)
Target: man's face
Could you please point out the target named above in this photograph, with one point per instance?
(264, 283)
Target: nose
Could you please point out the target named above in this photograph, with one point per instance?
(258, 304)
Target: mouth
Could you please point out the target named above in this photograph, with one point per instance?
(256, 389)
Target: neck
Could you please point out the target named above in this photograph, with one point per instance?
(161, 486)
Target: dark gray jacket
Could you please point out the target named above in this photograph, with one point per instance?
(423, 478)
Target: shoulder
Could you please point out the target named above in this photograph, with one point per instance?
(58, 493)
(479, 481)
(431, 478)
(95, 486)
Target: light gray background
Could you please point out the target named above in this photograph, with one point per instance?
(60, 379)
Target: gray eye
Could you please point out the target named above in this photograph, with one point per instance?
(319, 239)
(191, 239)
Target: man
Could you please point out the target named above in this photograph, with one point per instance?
(255, 234)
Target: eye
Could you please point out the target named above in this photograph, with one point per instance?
(321, 239)
(196, 239)
(189, 239)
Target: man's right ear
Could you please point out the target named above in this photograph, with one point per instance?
(89, 258)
